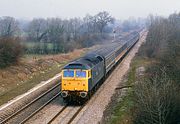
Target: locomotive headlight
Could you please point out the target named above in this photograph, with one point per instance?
(64, 94)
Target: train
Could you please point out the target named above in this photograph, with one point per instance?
(82, 77)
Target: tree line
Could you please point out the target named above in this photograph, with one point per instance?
(63, 34)
(50, 36)
(156, 96)
(56, 35)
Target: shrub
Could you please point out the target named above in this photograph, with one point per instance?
(157, 101)
(10, 51)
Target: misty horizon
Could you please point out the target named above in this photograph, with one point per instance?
(70, 9)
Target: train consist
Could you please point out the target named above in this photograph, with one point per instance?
(81, 77)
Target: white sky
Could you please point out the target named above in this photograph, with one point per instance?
(121, 9)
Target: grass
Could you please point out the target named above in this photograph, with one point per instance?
(33, 44)
(121, 111)
(136, 63)
(38, 47)
(30, 57)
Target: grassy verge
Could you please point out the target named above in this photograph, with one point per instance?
(23, 87)
(120, 112)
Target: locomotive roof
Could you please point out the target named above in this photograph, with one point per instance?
(86, 62)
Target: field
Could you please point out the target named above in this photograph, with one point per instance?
(38, 47)
(32, 45)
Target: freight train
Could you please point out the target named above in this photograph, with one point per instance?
(82, 77)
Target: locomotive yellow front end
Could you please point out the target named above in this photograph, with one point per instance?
(74, 83)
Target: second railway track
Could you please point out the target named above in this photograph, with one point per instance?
(65, 115)
(27, 111)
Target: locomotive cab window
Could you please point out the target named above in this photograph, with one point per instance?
(68, 73)
(80, 73)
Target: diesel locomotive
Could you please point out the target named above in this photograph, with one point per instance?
(81, 77)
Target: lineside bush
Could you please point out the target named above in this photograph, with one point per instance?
(156, 100)
(10, 51)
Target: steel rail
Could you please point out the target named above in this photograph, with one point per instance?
(57, 114)
(75, 115)
(40, 108)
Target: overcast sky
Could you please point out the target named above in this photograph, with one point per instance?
(121, 9)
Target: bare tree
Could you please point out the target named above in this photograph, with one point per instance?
(37, 29)
(67, 30)
(8, 27)
(55, 34)
(76, 24)
(63, 33)
(156, 100)
(102, 19)
(89, 24)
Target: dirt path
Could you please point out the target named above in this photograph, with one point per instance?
(93, 112)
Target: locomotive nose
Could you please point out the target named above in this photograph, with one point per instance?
(64, 94)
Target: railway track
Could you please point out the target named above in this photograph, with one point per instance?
(38, 103)
(66, 115)
(51, 120)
